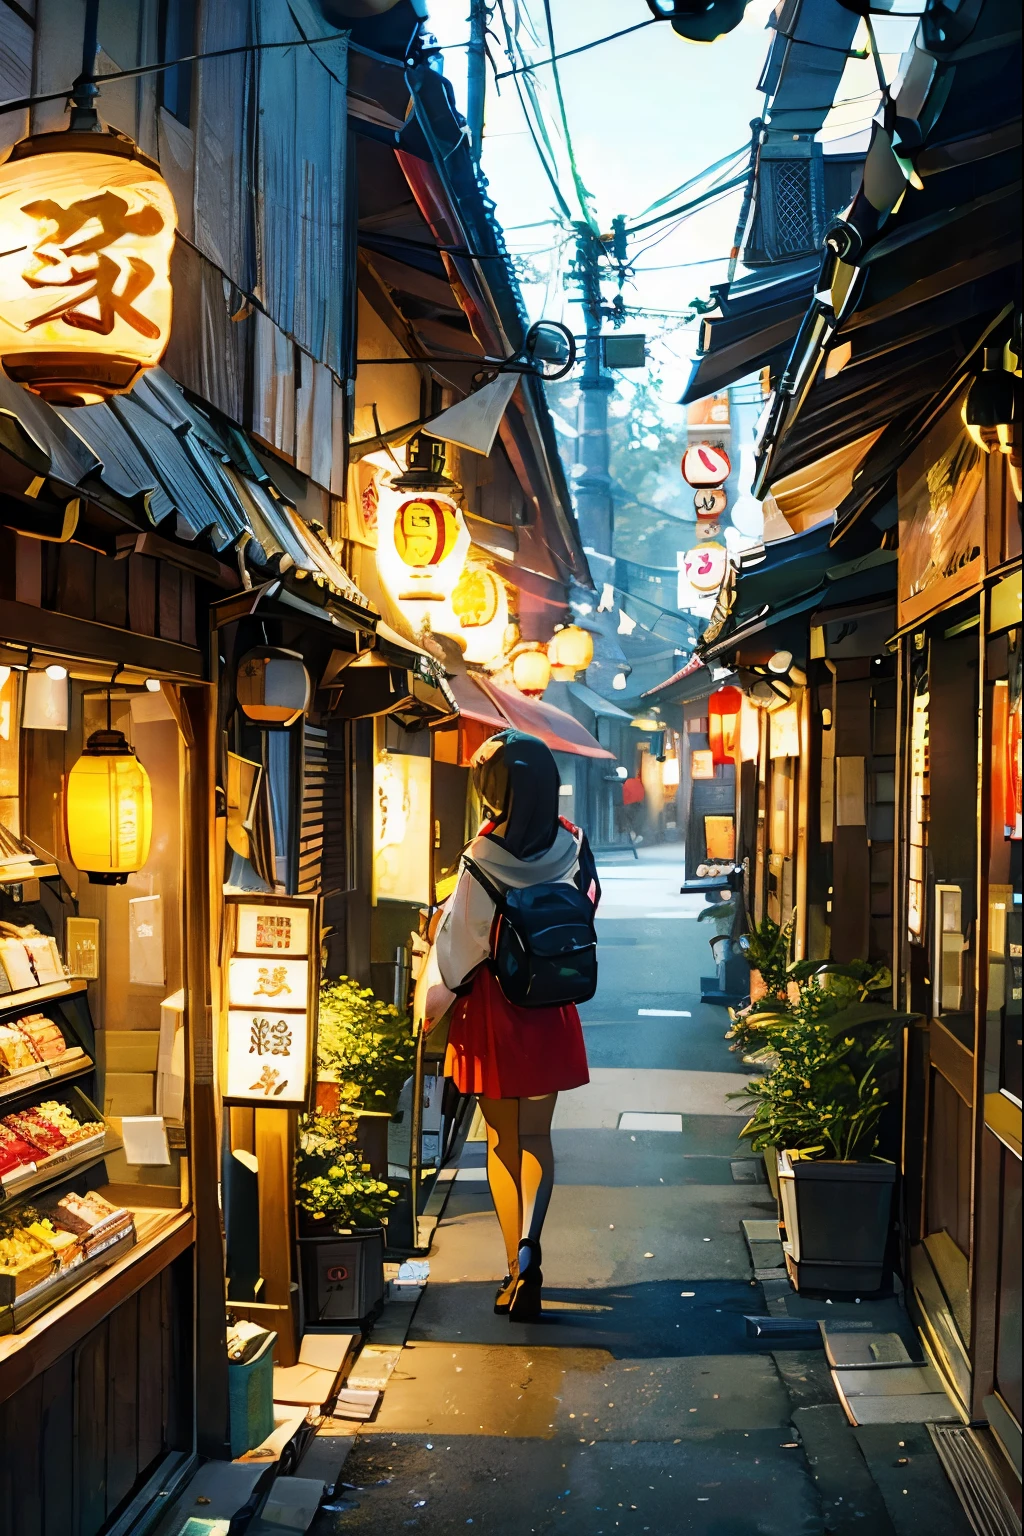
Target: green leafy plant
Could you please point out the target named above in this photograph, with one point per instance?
(766, 946)
(835, 1054)
(364, 1045)
(334, 1184)
(721, 913)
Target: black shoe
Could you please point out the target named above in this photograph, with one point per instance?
(526, 1305)
(503, 1297)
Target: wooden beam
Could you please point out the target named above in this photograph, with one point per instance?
(57, 634)
(213, 1436)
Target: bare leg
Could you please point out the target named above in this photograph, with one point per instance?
(537, 1159)
(501, 1117)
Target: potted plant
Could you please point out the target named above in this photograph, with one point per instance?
(365, 1052)
(342, 1208)
(817, 1114)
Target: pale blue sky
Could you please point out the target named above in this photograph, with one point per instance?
(646, 113)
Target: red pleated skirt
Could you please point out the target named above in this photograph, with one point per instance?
(506, 1052)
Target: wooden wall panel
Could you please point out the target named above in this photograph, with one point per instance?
(79, 1438)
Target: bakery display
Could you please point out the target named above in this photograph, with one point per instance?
(43, 1244)
(31, 1135)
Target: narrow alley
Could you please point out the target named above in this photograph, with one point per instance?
(642, 1401)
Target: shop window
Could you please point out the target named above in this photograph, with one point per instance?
(92, 1007)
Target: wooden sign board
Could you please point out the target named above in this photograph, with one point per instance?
(273, 981)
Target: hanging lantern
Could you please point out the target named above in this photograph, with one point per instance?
(992, 411)
(704, 567)
(422, 544)
(709, 502)
(480, 604)
(531, 672)
(705, 464)
(570, 650)
(272, 687)
(108, 810)
(86, 234)
(723, 724)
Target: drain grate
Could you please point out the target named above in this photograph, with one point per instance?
(645, 1120)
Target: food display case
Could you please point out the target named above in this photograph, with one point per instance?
(56, 1228)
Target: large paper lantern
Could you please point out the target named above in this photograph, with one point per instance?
(272, 687)
(86, 234)
(570, 650)
(724, 708)
(108, 810)
(531, 672)
(705, 464)
(426, 530)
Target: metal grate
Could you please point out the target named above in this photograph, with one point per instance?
(793, 223)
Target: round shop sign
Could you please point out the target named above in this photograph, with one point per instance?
(705, 567)
(706, 464)
(710, 501)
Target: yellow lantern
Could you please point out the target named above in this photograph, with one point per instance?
(480, 603)
(570, 650)
(86, 234)
(272, 686)
(531, 671)
(108, 810)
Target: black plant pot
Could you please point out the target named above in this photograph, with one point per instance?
(837, 1219)
(342, 1276)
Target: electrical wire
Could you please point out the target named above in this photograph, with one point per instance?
(582, 193)
(511, 44)
(571, 52)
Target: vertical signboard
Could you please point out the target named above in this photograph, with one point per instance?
(273, 986)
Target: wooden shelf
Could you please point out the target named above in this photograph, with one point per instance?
(17, 874)
(31, 995)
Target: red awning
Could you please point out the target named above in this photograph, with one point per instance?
(474, 704)
(561, 731)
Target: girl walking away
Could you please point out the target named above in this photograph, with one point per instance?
(515, 943)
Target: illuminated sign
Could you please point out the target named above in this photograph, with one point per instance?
(401, 828)
(272, 981)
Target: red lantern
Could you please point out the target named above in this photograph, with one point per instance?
(705, 464)
(723, 725)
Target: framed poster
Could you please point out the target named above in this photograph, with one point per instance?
(273, 981)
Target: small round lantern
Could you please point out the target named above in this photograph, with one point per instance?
(710, 502)
(86, 234)
(531, 672)
(272, 687)
(108, 810)
(705, 464)
(570, 650)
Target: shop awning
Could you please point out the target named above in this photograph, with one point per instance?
(596, 704)
(474, 703)
(562, 732)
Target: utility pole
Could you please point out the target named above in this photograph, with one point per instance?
(476, 64)
(595, 507)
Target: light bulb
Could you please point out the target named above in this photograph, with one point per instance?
(153, 684)
(56, 673)
(619, 680)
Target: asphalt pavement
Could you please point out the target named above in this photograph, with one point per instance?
(639, 1403)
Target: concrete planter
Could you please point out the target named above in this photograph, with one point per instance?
(837, 1222)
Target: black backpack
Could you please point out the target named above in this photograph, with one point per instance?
(543, 943)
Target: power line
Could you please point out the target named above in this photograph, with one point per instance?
(582, 194)
(571, 52)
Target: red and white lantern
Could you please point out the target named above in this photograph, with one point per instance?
(706, 464)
